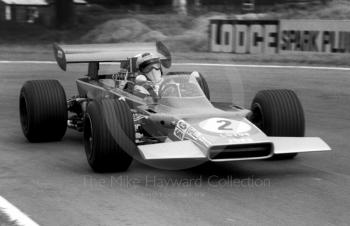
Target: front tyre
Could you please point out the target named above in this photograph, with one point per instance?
(109, 135)
(43, 110)
(278, 113)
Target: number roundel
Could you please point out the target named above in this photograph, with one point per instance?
(224, 125)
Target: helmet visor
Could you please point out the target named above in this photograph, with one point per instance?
(150, 67)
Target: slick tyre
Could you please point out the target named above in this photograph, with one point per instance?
(278, 113)
(43, 110)
(201, 81)
(109, 135)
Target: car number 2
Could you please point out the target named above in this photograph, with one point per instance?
(224, 125)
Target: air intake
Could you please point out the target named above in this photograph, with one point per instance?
(240, 152)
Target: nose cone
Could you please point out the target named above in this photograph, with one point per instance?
(235, 130)
(232, 139)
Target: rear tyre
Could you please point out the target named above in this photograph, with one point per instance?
(278, 113)
(201, 81)
(43, 110)
(109, 135)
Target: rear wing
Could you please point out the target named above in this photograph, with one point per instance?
(113, 52)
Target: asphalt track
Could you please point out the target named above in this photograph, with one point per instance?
(54, 185)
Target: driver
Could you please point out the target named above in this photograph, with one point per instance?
(150, 77)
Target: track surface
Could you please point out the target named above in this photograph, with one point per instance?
(54, 185)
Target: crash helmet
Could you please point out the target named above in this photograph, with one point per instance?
(149, 65)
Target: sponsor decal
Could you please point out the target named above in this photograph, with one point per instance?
(181, 129)
(182, 125)
(236, 135)
(179, 133)
(240, 140)
(192, 133)
(204, 141)
(59, 54)
(184, 131)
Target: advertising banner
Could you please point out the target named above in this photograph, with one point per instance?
(279, 36)
(316, 36)
(244, 36)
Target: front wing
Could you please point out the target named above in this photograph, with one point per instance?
(250, 151)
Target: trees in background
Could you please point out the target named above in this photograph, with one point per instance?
(195, 2)
(64, 10)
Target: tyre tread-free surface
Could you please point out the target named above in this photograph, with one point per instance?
(109, 135)
(43, 110)
(279, 113)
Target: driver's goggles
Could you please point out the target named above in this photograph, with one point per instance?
(150, 67)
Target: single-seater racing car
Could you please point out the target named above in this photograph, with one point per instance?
(177, 128)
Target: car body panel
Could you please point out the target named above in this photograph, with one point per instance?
(174, 150)
(284, 145)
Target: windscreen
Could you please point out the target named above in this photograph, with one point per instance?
(180, 86)
(181, 91)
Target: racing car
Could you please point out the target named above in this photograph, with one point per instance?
(176, 128)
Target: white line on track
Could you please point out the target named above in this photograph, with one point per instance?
(265, 66)
(14, 214)
(208, 64)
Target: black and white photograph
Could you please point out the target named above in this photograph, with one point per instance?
(174, 112)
